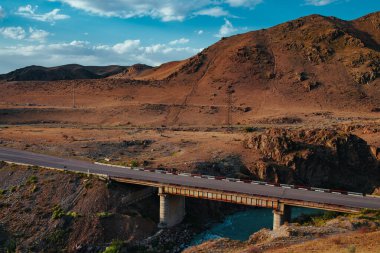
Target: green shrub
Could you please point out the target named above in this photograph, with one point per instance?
(57, 212)
(34, 189)
(317, 219)
(2, 192)
(72, 214)
(12, 188)
(249, 129)
(134, 163)
(351, 249)
(32, 180)
(10, 246)
(115, 247)
(104, 215)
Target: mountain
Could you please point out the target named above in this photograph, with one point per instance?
(305, 45)
(65, 72)
(298, 72)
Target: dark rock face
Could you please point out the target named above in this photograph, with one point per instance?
(230, 166)
(320, 158)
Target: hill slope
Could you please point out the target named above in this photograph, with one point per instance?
(65, 72)
(300, 71)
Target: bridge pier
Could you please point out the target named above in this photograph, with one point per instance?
(172, 209)
(281, 215)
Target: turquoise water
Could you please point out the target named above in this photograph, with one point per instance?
(240, 225)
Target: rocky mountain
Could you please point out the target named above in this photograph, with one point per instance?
(65, 72)
(314, 60)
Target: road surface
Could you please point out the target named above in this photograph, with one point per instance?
(24, 157)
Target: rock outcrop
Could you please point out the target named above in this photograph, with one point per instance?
(319, 158)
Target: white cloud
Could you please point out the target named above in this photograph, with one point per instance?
(213, 12)
(319, 2)
(165, 10)
(226, 29)
(13, 32)
(126, 46)
(199, 32)
(2, 12)
(19, 33)
(83, 52)
(179, 41)
(29, 11)
(38, 35)
(244, 3)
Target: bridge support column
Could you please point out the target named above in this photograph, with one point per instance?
(172, 209)
(281, 215)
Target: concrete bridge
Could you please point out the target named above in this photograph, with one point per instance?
(174, 188)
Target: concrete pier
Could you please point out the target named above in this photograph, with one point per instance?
(281, 215)
(172, 209)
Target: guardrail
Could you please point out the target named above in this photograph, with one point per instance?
(237, 180)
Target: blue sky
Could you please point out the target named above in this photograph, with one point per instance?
(125, 32)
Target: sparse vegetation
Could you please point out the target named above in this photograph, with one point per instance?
(351, 249)
(34, 189)
(103, 215)
(12, 188)
(249, 129)
(134, 163)
(72, 214)
(57, 212)
(115, 247)
(10, 246)
(32, 180)
(317, 219)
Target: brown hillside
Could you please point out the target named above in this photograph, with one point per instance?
(292, 71)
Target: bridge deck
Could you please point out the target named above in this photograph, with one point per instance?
(298, 197)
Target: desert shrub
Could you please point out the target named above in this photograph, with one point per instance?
(249, 129)
(12, 188)
(104, 215)
(134, 163)
(32, 180)
(10, 246)
(34, 189)
(57, 212)
(316, 219)
(87, 184)
(115, 247)
(351, 249)
(72, 214)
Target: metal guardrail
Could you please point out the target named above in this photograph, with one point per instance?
(236, 180)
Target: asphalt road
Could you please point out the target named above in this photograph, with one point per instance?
(18, 156)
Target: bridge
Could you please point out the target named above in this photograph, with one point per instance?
(173, 188)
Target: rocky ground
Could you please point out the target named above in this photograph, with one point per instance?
(51, 211)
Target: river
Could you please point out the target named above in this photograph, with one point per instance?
(240, 225)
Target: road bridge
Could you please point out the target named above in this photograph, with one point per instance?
(174, 187)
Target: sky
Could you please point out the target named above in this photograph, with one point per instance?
(125, 32)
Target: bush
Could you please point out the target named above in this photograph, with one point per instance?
(249, 129)
(57, 212)
(10, 246)
(134, 163)
(72, 214)
(115, 247)
(2, 192)
(104, 215)
(351, 249)
(34, 189)
(32, 180)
